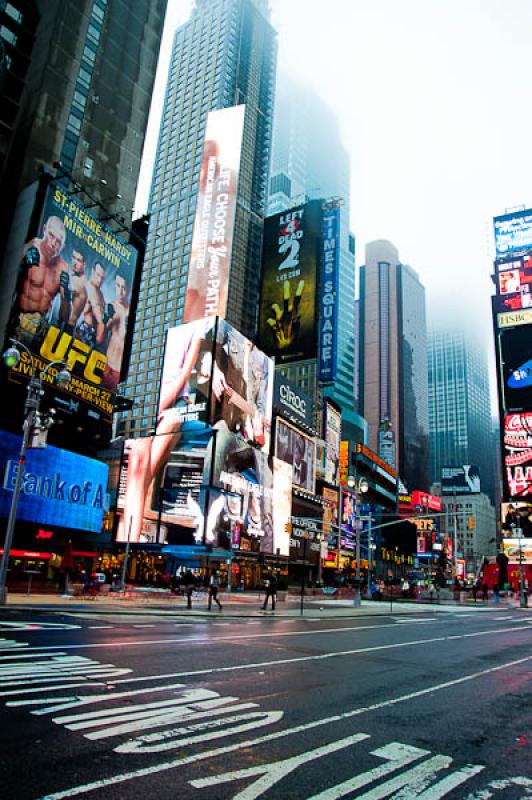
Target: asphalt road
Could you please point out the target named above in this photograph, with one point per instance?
(119, 707)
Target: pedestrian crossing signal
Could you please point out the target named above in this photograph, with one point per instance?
(471, 523)
(288, 527)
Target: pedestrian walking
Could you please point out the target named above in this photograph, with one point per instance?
(214, 585)
(485, 592)
(189, 583)
(271, 590)
(475, 588)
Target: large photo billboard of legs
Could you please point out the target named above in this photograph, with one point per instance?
(183, 415)
(242, 387)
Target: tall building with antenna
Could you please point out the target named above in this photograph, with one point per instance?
(223, 56)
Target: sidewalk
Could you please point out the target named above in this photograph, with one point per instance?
(244, 606)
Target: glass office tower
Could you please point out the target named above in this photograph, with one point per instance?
(393, 353)
(460, 421)
(225, 55)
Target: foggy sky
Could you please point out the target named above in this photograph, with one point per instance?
(433, 102)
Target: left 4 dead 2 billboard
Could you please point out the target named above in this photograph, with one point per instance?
(72, 302)
(290, 272)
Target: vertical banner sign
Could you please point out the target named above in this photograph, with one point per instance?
(328, 302)
(333, 436)
(344, 461)
(287, 326)
(212, 238)
(72, 303)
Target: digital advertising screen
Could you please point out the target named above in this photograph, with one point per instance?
(212, 237)
(187, 371)
(517, 454)
(168, 508)
(514, 284)
(305, 540)
(290, 269)
(59, 488)
(296, 448)
(330, 516)
(462, 479)
(518, 550)
(225, 525)
(516, 368)
(242, 387)
(321, 458)
(239, 468)
(333, 435)
(516, 519)
(513, 232)
(72, 301)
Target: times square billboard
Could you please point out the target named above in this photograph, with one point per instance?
(517, 456)
(212, 237)
(514, 284)
(208, 463)
(515, 360)
(71, 304)
(513, 233)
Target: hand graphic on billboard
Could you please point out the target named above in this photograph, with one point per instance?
(286, 323)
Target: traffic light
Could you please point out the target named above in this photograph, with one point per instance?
(288, 527)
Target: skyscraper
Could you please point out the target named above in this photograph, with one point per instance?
(225, 55)
(77, 78)
(393, 371)
(460, 423)
(309, 161)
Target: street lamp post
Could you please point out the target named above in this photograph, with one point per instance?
(12, 358)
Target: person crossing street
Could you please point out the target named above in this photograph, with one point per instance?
(271, 590)
(214, 585)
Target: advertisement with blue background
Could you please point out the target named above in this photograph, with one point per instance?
(513, 232)
(58, 487)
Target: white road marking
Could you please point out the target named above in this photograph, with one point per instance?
(100, 627)
(36, 626)
(163, 720)
(76, 701)
(175, 763)
(399, 755)
(412, 777)
(11, 644)
(270, 634)
(448, 783)
(270, 774)
(47, 688)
